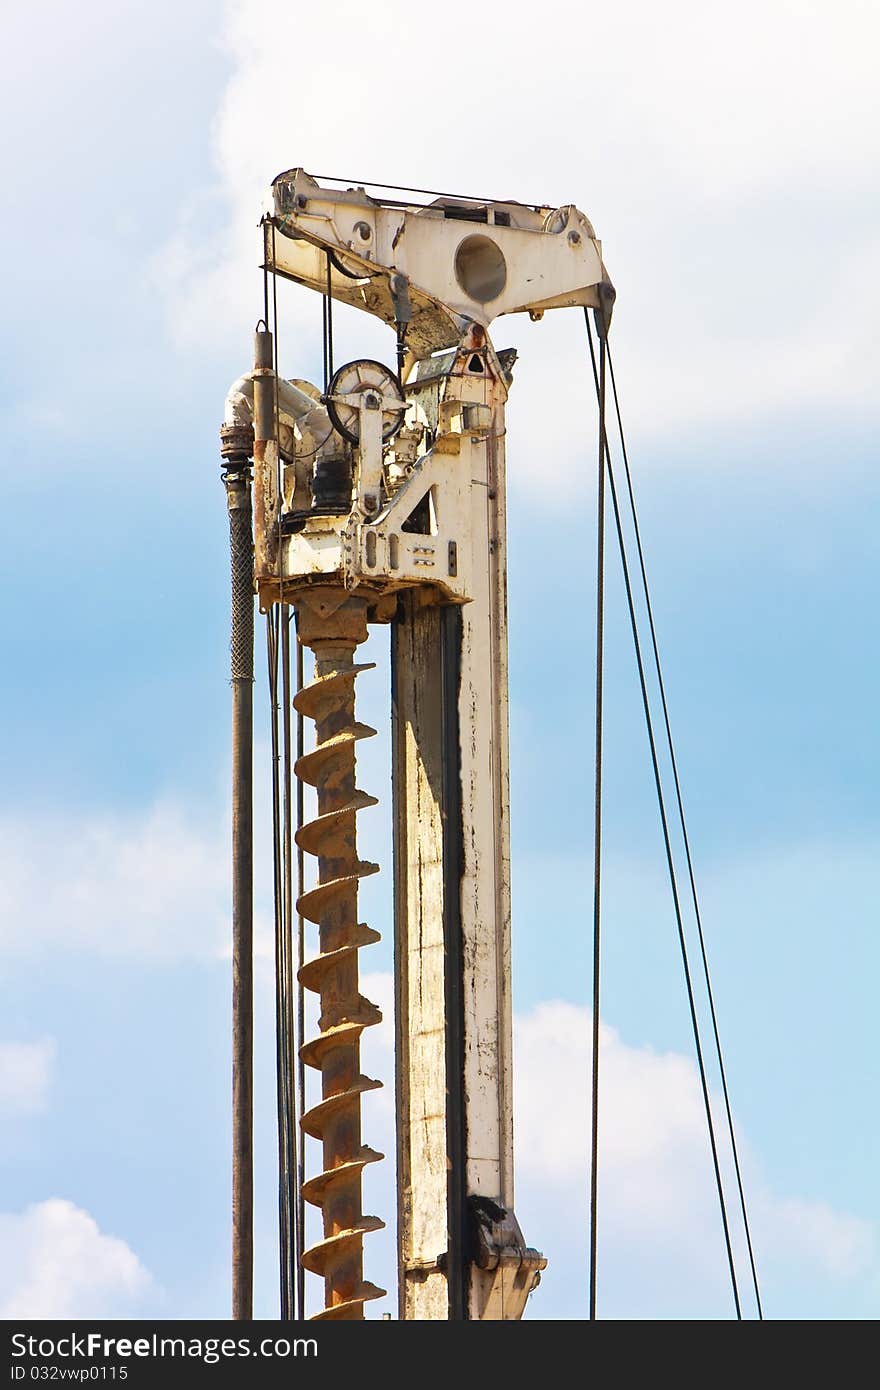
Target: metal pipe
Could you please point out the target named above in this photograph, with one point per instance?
(294, 407)
(263, 385)
(238, 495)
(267, 478)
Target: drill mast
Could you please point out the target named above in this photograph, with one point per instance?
(382, 500)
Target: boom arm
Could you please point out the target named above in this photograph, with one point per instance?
(452, 262)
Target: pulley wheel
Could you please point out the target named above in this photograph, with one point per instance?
(352, 380)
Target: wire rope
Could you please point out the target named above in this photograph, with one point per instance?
(649, 723)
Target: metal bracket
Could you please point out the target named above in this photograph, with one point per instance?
(370, 405)
(440, 556)
(505, 1270)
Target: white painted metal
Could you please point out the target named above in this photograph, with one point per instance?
(294, 406)
(443, 272)
(420, 965)
(551, 255)
(379, 551)
(485, 886)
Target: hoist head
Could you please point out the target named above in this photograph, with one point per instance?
(370, 484)
(432, 269)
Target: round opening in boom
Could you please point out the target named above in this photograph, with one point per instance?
(480, 268)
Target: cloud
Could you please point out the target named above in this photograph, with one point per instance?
(730, 168)
(843, 1246)
(56, 1263)
(662, 1247)
(26, 1075)
(153, 887)
(151, 884)
(659, 1218)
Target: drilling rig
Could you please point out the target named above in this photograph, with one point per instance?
(379, 498)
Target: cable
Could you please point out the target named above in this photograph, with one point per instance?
(686, 841)
(328, 325)
(324, 341)
(290, 1118)
(668, 847)
(597, 839)
(290, 1240)
(266, 271)
(300, 996)
(428, 192)
(280, 1060)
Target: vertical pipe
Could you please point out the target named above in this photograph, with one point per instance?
(238, 494)
(266, 496)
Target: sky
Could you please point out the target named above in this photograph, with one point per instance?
(728, 162)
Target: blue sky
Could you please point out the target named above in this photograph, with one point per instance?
(731, 175)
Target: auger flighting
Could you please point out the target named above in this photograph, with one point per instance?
(333, 623)
(381, 499)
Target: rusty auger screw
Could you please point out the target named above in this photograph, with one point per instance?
(333, 624)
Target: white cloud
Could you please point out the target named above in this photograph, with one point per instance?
(652, 71)
(660, 1230)
(154, 887)
(55, 1262)
(151, 884)
(657, 1195)
(26, 1075)
(730, 167)
(842, 1245)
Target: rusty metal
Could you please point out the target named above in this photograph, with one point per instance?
(266, 498)
(511, 1270)
(351, 527)
(333, 624)
(236, 478)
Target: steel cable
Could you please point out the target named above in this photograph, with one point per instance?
(300, 1103)
(290, 1115)
(427, 192)
(289, 1148)
(649, 723)
(272, 649)
(597, 832)
(328, 325)
(649, 608)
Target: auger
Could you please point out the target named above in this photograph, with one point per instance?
(380, 498)
(333, 624)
